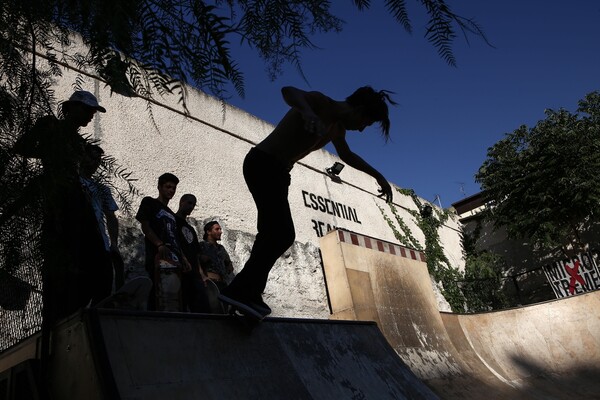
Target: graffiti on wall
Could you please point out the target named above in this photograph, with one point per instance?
(330, 207)
(573, 276)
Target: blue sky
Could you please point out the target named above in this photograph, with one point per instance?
(546, 54)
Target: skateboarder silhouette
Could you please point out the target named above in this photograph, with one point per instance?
(313, 121)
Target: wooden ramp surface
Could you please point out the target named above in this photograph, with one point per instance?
(544, 351)
(120, 355)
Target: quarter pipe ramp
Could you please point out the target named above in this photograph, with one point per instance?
(544, 351)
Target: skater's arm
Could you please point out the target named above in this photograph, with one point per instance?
(163, 250)
(307, 104)
(355, 161)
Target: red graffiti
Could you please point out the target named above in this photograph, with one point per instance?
(575, 277)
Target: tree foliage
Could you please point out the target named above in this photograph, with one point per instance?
(138, 45)
(483, 282)
(146, 48)
(542, 182)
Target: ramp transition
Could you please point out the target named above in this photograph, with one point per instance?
(544, 351)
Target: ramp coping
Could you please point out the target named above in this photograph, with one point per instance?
(187, 315)
(368, 242)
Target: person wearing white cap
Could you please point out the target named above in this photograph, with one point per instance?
(70, 239)
(76, 112)
(84, 97)
(81, 107)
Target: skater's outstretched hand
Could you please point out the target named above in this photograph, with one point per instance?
(385, 192)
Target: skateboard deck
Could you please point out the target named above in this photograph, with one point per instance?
(212, 292)
(247, 322)
(240, 310)
(133, 295)
(167, 280)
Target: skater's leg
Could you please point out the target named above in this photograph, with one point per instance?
(268, 182)
(275, 235)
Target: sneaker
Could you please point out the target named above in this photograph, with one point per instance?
(259, 305)
(243, 307)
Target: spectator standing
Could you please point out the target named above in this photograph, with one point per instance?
(71, 244)
(213, 257)
(164, 260)
(104, 207)
(193, 286)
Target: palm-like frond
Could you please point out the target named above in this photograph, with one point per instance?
(362, 4)
(398, 10)
(440, 31)
(279, 29)
(145, 48)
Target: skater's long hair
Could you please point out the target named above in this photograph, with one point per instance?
(375, 106)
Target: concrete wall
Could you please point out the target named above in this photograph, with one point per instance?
(205, 149)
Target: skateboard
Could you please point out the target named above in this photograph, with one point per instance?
(247, 322)
(212, 292)
(133, 295)
(167, 278)
(248, 317)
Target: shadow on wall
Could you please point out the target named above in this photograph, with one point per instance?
(579, 382)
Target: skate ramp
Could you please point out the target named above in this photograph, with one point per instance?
(545, 351)
(108, 354)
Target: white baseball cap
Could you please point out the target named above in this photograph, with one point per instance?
(82, 96)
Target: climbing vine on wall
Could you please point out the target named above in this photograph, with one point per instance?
(405, 237)
(429, 220)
